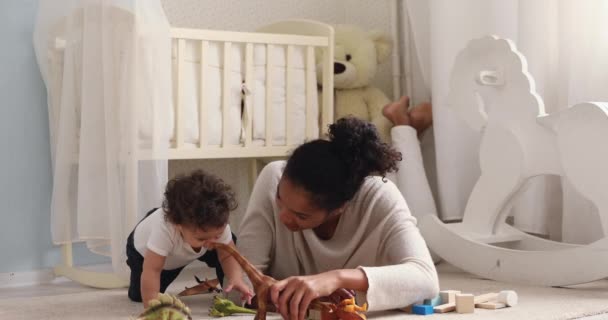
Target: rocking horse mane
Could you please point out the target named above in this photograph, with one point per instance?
(504, 62)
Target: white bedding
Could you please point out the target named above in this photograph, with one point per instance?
(279, 98)
(214, 70)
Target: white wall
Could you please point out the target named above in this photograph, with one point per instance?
(240, 15)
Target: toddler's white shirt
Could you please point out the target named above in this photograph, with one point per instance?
(162, 237)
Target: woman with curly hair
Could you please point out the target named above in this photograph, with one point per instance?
(327, 223)
(195, 211)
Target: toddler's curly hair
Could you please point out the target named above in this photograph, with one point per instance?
(199, 200)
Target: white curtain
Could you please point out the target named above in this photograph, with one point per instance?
(566, 45)
(106, 65)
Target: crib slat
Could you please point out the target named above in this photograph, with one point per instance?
(203, 116)
(288, 97)
(226, 92)
(248, 113)
(269, 69)
(310, 91)
(327, 115)
(181, 82)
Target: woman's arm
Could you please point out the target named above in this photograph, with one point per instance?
(257, 231)
(408, 274)
(150, 277)
(293, 295)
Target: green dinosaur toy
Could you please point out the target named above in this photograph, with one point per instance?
(166, 307)
(223, 307)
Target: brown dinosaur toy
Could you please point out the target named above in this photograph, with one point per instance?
(345, 310)
(261, 283)
(207, 286)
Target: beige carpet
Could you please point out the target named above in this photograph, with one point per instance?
(70, 301)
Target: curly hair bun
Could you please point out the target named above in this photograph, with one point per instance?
(333, 171)
(358, 144)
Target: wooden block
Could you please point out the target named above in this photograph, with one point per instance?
(448, 307)
(465, 303)
(422, 309)
(434, 302)
(492, 305)
(485, 297)
(448, 296)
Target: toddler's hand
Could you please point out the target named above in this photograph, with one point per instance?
(242, 287)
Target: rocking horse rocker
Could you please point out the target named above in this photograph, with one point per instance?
(490, 87)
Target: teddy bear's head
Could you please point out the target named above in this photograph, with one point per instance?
(357, 55)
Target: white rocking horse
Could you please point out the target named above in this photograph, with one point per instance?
(491, 89)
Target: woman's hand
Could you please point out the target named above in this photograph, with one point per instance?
(293, 295)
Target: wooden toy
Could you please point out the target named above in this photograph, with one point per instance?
(491, 88)
(490, 305)
(508, 297)
(448, 298)
(503, 299)
(422, 309)
(485, 297)
(465, 303)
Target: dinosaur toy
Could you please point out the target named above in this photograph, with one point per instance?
(261, 283)
(207, 286)
(223, 307)
(166, 307)
(345, 310)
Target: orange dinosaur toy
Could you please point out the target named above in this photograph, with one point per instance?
(345, 310)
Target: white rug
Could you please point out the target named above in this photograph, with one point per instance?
(83, 303)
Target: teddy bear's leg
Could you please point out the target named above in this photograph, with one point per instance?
(376, 100)
(384, 128)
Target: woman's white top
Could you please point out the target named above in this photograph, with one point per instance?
(376, 233)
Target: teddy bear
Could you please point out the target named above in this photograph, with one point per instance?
(357, 54)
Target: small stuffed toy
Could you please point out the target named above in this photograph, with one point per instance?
(357, 56)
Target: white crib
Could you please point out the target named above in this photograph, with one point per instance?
(226, 87)
(293, 45)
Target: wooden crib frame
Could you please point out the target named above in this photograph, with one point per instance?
(310, 34)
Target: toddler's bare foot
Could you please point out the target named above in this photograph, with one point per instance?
(421, 117)
(396, 112)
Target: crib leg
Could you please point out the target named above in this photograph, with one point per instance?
(89, 278)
